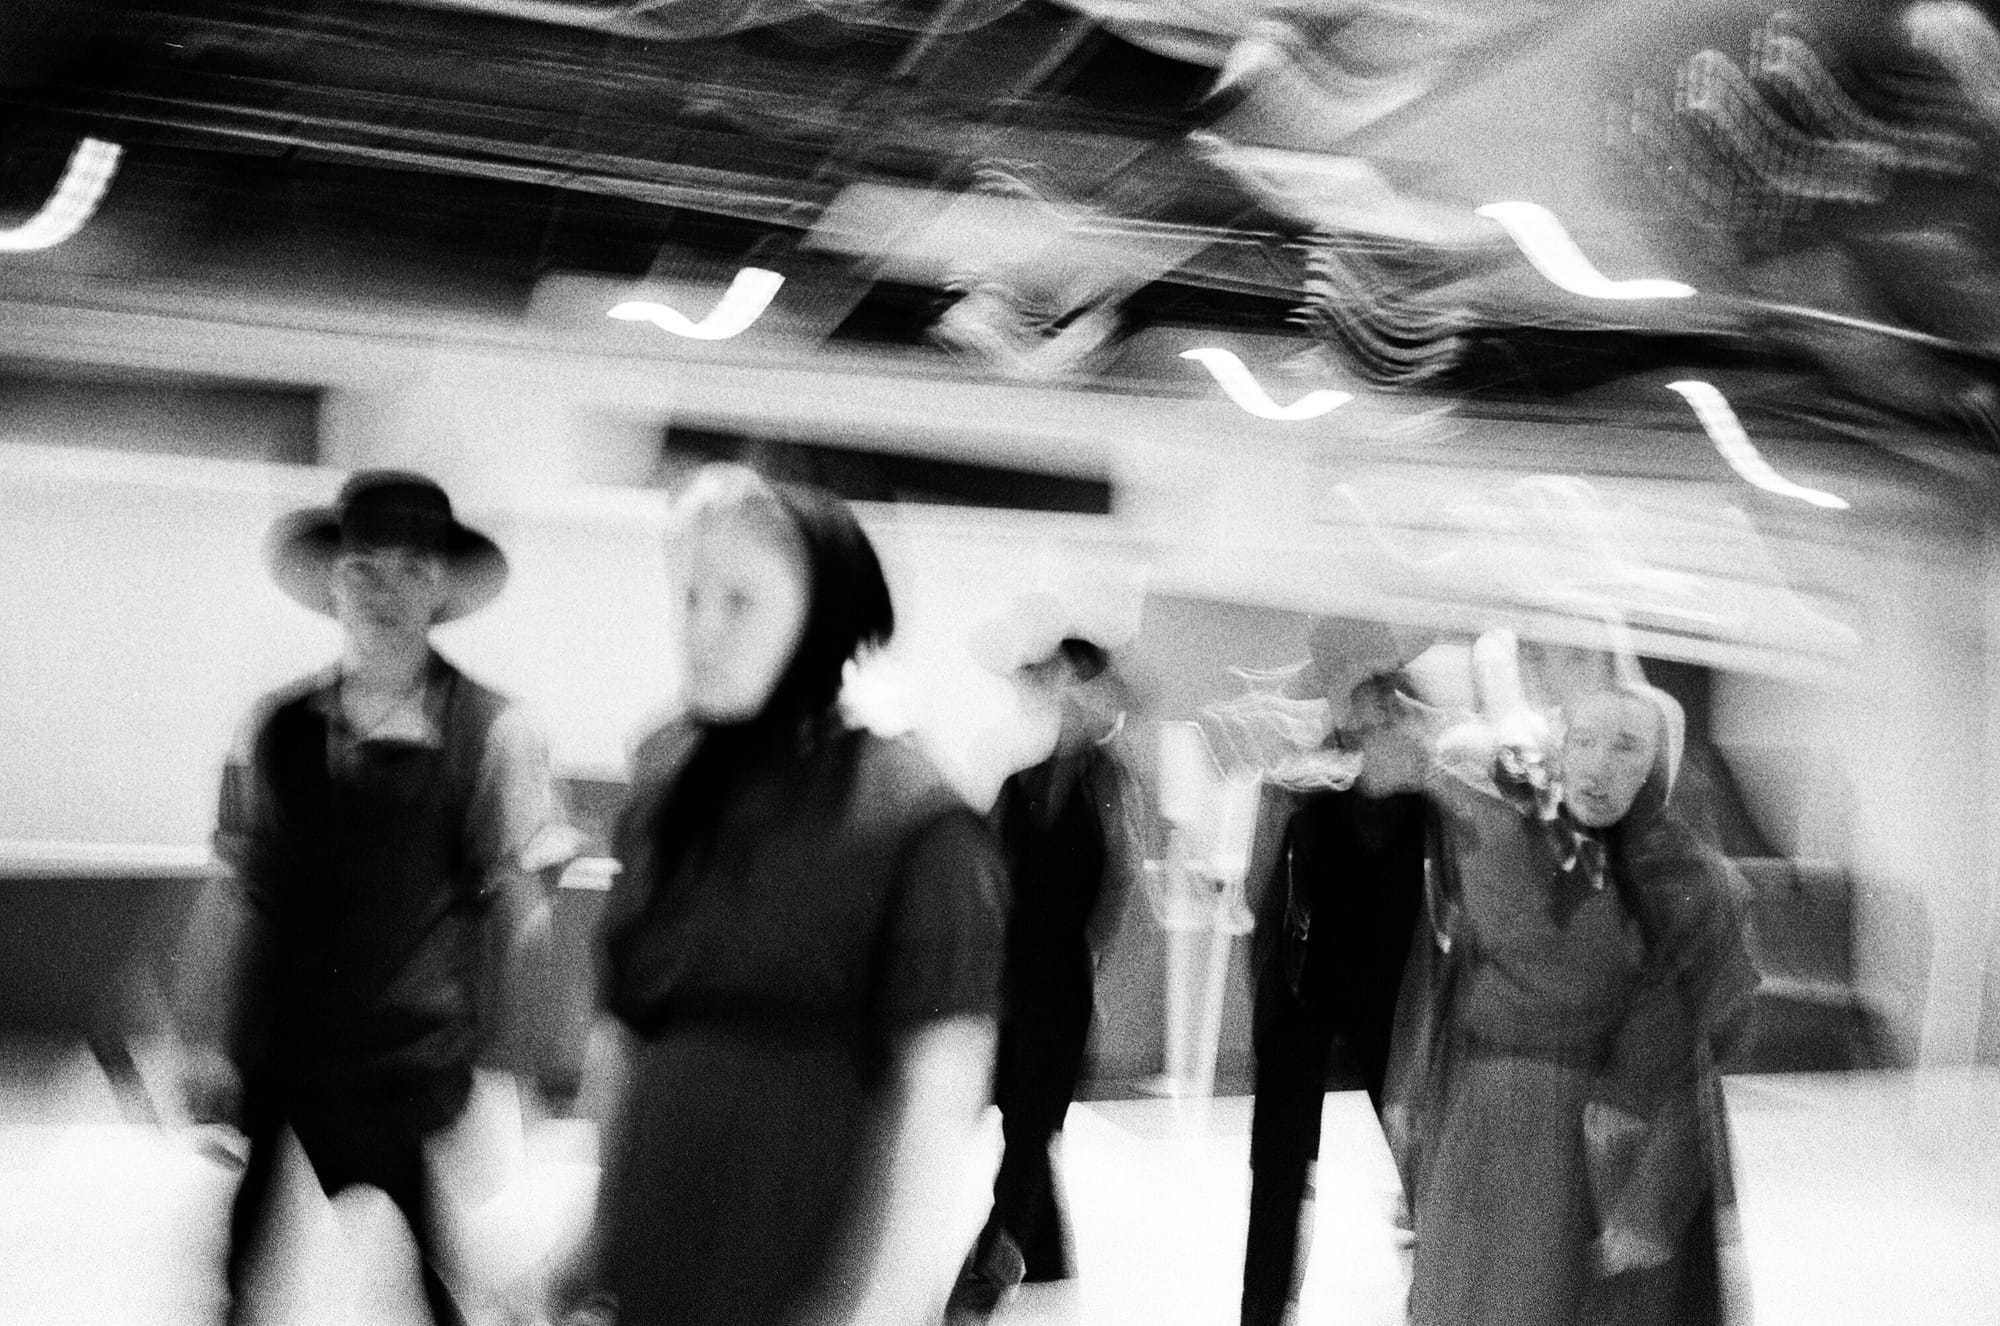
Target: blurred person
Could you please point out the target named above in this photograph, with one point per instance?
(1655, 1132)
(383, 825)
(802, 951)
(1333, 927)
(1553, 1103)
(1067, 831)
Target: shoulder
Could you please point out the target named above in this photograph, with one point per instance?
(894, 771)
(894, 792)
(312, 689)
(1319, 813)
(1681, 876)
(1664, 853)
(470, 696)
(513, 729)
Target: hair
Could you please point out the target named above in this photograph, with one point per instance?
(847, 613)
(1086, 660)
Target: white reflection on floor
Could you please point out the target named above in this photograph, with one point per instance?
(1866, 1198)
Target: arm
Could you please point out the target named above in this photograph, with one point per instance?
(937, 999)
(520, 841)
(1691, 1000)
(222, 961)
(1264, 876)
(942, 1074)
(1691, 891)
(655, 762)
(1121, 810)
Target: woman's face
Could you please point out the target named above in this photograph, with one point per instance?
(745, 610)
(1608, 753)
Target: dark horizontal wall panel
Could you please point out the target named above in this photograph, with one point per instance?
(279, 425)
(862, 475)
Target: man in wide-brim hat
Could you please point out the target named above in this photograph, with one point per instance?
(383, 823)
(1069, 829)
(1337, 877)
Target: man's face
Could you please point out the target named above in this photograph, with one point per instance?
(1082, 711)
(387, 594)
(1345, 679)
(1390, 736)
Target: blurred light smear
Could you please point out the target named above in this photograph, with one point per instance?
(741, 305)
(1242, 388)
(75, 199)
(1543, 240)
(1736, 448)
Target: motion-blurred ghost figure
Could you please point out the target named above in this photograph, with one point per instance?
(1070, 835)
(1558, 1124)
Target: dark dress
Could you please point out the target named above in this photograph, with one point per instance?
(1542, 994)
(1657, 1134)
(846, 899)
(1333, 929)
(1539, 972)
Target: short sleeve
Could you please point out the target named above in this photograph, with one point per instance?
(219, 961)
(246, 826)
(941, 941)
(518, 821)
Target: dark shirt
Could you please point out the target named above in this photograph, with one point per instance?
(343, 949)
(1056, 824)
(1342, 901)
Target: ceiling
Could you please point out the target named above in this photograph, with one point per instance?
(1030, 186)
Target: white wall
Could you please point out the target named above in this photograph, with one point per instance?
(142, 625)
(139, 623)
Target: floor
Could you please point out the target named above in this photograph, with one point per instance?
(1866, 1198)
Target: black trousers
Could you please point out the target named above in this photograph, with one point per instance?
(346, 1145)
(1294, 1051)
(1037, 1066)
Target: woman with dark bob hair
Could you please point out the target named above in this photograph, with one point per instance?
(802, 947)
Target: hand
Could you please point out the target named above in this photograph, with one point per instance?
(1621, 1249)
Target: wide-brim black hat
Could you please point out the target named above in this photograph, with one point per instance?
(384, 508)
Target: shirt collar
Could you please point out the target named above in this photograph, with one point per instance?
(420, 725)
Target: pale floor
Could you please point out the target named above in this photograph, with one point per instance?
(1866, 1199)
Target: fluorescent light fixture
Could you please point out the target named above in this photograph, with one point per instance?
(1243, 389)
(1541, 237)
(76, 196)
(1727, 433)
(742, 304)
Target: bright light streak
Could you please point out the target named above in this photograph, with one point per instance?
(742, 304)
(1541, 237)
(1727, 433)
(76, 196)
(1243, 389)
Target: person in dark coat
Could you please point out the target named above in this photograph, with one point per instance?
(802, 951)
(1067, 831)
(383, 825)
(1333, 928)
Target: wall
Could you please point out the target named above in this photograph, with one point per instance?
(140, 624)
